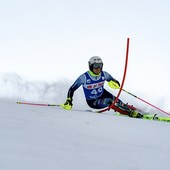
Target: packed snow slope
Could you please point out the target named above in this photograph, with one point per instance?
(49, 138)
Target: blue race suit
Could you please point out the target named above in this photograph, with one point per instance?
(96, 96)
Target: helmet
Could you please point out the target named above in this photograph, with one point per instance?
(95, 60)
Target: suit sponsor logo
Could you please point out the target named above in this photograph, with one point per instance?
(95, 85)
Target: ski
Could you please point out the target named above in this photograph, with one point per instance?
(148, 116)
(157, 118)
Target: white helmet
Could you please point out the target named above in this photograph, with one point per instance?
(95, 61)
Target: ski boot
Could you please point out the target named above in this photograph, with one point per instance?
(135, 114)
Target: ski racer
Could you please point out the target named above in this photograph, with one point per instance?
(97, 97)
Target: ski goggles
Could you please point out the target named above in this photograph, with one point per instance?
(97, 65)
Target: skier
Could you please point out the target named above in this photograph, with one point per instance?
(97, 97)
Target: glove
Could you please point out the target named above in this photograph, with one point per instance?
(68, 104)
(114, 84)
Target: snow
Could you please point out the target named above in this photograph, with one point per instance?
(49, 138)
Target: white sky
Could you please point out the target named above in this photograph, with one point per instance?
(50, 39)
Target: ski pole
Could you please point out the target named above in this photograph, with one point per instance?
(37, 104)
(147, 102)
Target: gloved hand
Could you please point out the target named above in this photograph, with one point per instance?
(68, 104)
(114, 84)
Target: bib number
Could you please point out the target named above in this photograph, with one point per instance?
(99, 90)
